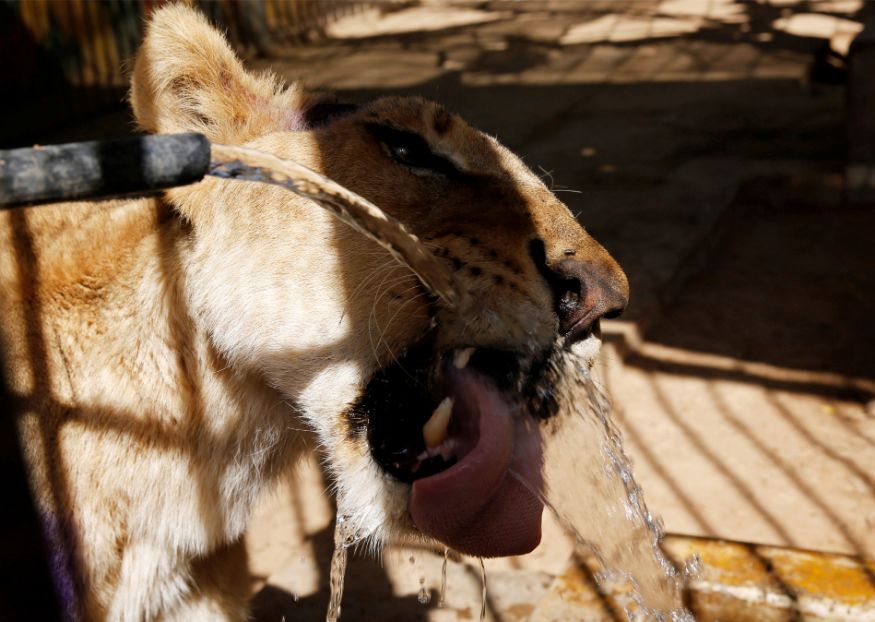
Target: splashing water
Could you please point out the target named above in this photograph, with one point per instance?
(588, 484)
(345, 536)
(483, 594)
(443, 578)
(424, 596)
(337, 574)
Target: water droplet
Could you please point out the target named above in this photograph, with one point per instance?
(424, 596)
(443, 578)
(345, 535)
(693, 567)
(338, 570)
(483, 595)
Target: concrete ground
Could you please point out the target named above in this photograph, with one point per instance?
(702, 142)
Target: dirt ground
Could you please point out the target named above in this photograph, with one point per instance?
(703, 143)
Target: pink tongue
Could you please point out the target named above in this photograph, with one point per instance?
(476, 506)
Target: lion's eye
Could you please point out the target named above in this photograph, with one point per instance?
(407, 155)
(411, 151)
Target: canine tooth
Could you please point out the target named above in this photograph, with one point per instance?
(435, 429)
(460, 360)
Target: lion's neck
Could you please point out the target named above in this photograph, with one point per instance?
(101, 343)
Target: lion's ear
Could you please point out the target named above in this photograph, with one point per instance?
(186, 78)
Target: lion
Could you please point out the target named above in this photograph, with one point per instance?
(170, 357)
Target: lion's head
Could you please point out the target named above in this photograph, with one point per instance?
(422, 410)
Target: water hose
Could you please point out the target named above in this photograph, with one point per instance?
(101, 169)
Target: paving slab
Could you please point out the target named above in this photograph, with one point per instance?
(734, 582)
(746, 406)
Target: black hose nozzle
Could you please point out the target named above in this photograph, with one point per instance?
(102, 169)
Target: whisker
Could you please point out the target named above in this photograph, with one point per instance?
(386, 268)
(372, 315)
(388, 324)
(548, 174)
(382, 294)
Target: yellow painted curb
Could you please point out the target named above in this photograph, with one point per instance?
(738, 582)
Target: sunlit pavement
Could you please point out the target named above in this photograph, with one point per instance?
(702, 143)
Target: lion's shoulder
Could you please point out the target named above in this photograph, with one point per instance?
(45, 246)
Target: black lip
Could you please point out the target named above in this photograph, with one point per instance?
(583, 328)
(400, 398)
(502, 367)
(395, 405)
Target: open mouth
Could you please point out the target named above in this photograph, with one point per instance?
(462, 429)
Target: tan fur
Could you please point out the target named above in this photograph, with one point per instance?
(166, 354)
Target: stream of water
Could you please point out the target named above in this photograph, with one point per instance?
(443, 592)
(346, 535)
(589, 486)
(588, 481)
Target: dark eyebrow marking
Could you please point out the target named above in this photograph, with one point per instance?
(326, 111)
(419, 151)
(442, 121)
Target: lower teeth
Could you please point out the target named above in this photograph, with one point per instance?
(461, 358)
(434, 432)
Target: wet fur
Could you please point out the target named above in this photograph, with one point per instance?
(168, 356)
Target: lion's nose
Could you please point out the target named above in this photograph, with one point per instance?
(585, 289)
(586, 292)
